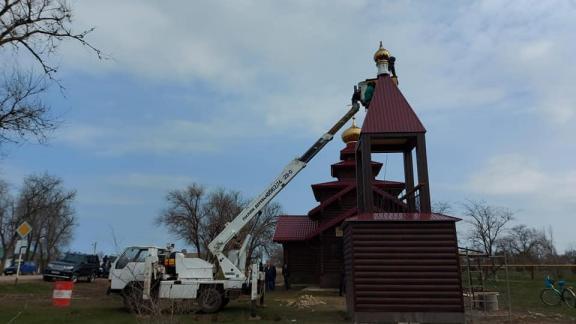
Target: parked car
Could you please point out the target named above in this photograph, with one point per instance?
(27, 267)
(73, 266)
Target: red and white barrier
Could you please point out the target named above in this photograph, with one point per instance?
(62, 293)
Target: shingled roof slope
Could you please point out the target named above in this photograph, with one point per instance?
(389, 112)
(293, 228)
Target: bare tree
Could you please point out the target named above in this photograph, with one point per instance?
(487, 224)
(34, 28)
(47, 206)
(221, 207)
(38, 27)
(7, 223)
(185, 215)
(262, 230)
(569, 256)
(198, 217)
(22, 113)
(547, 249)
(523, 243)
(276, 255)
(441, 207)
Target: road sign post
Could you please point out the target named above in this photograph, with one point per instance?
(23, 230)
(19, 263)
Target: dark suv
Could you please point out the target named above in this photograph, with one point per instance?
(73, 266)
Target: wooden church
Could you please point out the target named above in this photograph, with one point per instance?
(399, 261)
(313, 245)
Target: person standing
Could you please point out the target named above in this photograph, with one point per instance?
(342, 288)
(273, 277)
(286, 275)
(267, 276)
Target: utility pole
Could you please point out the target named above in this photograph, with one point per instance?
(94, 245)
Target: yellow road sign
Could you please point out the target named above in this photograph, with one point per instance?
(24, 229)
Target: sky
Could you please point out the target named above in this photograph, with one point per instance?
(226, 93)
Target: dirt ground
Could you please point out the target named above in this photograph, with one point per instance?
(9, 279)
(518, 317)
(30, 302)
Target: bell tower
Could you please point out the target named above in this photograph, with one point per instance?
(391, 126)
(401, 260)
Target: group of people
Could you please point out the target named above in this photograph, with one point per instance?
(270, 276)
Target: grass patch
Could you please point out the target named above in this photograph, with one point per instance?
(24, 288)
(31, 303)
(524, 294)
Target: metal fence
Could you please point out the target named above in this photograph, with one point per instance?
(485, 284)
(494, 288)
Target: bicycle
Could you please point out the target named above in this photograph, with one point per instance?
(553, 296)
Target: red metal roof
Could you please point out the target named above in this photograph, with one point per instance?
(389, 112)
(348, 151)
(332, 199)
(347, 182)
(333, 222)
(403, 217)
(381, 184)
(293, 228)
(334, 184)
(376, 166)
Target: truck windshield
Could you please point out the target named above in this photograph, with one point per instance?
(130, 255)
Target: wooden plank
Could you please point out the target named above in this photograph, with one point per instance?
(386, 243)
(409, 294)
(407, 275)
(407, 301)
(407, 308)
(421, 250)
(405, 262)
(413, 288)
(426, 268)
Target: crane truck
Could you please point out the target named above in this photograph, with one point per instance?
(142, 274)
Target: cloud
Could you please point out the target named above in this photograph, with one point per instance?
(532, 53)
(541, 195)
(169, 136)
(133, 189)
(471, 55)
(517, 175)
(109, 199)
(508, 174)
(149, 181)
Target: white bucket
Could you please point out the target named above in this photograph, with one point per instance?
(487, 301)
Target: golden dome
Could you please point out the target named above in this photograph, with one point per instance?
(381, 54)
(352, 134)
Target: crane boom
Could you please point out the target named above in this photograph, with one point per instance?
(255, 207)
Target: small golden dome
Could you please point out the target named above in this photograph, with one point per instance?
(352, 134)
(381, 54)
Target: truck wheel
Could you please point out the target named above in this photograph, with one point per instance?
(91, 277)
(210, 300)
